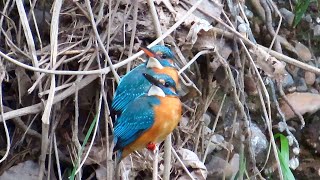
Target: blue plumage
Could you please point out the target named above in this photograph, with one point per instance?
(133, 84)
(163, 51)
(139, 116)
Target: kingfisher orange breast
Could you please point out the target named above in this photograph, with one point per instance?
(167, 117)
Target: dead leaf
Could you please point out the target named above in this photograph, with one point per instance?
(207, 10)
(269, 64)
(168, 5)
(97, 154)
(200, 25)
(24, 82)
(250, 85)
(164, 19)
(191, 160)
(302, 102)
(27, 170)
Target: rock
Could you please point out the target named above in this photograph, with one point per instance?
(314, 91)
(235, 163)
(308, 18)
(206, 119)
(217, 167)
(288, 80)
(259, 141)
(301, 85)
(309, 77)
(303, 52)
(316, 30)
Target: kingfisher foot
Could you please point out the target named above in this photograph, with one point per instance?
(151, 146)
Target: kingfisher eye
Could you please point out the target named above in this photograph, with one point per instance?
(167, 84)
(163, 56)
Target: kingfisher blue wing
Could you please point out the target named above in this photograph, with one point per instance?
(136, 119)
(134, 84)
(130, 87)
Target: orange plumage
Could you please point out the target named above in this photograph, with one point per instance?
(167, 117)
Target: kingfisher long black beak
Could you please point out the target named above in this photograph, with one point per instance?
(151, 79)
(149, 53)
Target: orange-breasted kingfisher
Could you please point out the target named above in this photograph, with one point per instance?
(133, 84)
(149, 118)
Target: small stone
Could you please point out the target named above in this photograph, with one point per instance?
(258, 140)
(248, 13)
(218, 167)
(242, 28)
(316, 30)
(290, 140)
(308, 18)
(314, 91)
(294, 163)
(206, 119)
(310, 78)
(303, 52)
(296, 150)
(301, 85)
(288, 80)
(217, 139)
(281, 126)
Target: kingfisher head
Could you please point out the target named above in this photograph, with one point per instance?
(162, 85)
(161, 53)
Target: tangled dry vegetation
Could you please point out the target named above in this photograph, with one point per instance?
(244, 71)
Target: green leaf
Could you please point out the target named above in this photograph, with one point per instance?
(284, 157)
(85, 141)
(300, 9)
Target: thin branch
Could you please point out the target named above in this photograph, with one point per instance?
(107, 69)
(93, 23)
(27, 32)
(2, 75)
(133, 32)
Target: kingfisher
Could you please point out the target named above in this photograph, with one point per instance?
(149, 118)
(133, 84)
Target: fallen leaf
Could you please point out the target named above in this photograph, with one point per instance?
(207, 10)
(27, 170)
(168, 5)
(24, 82)
(269, 64)
(200, 25)
(191, 160)
(96, 155)
(250, 85)
(302, 102)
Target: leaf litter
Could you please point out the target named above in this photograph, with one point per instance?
(230, 88)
